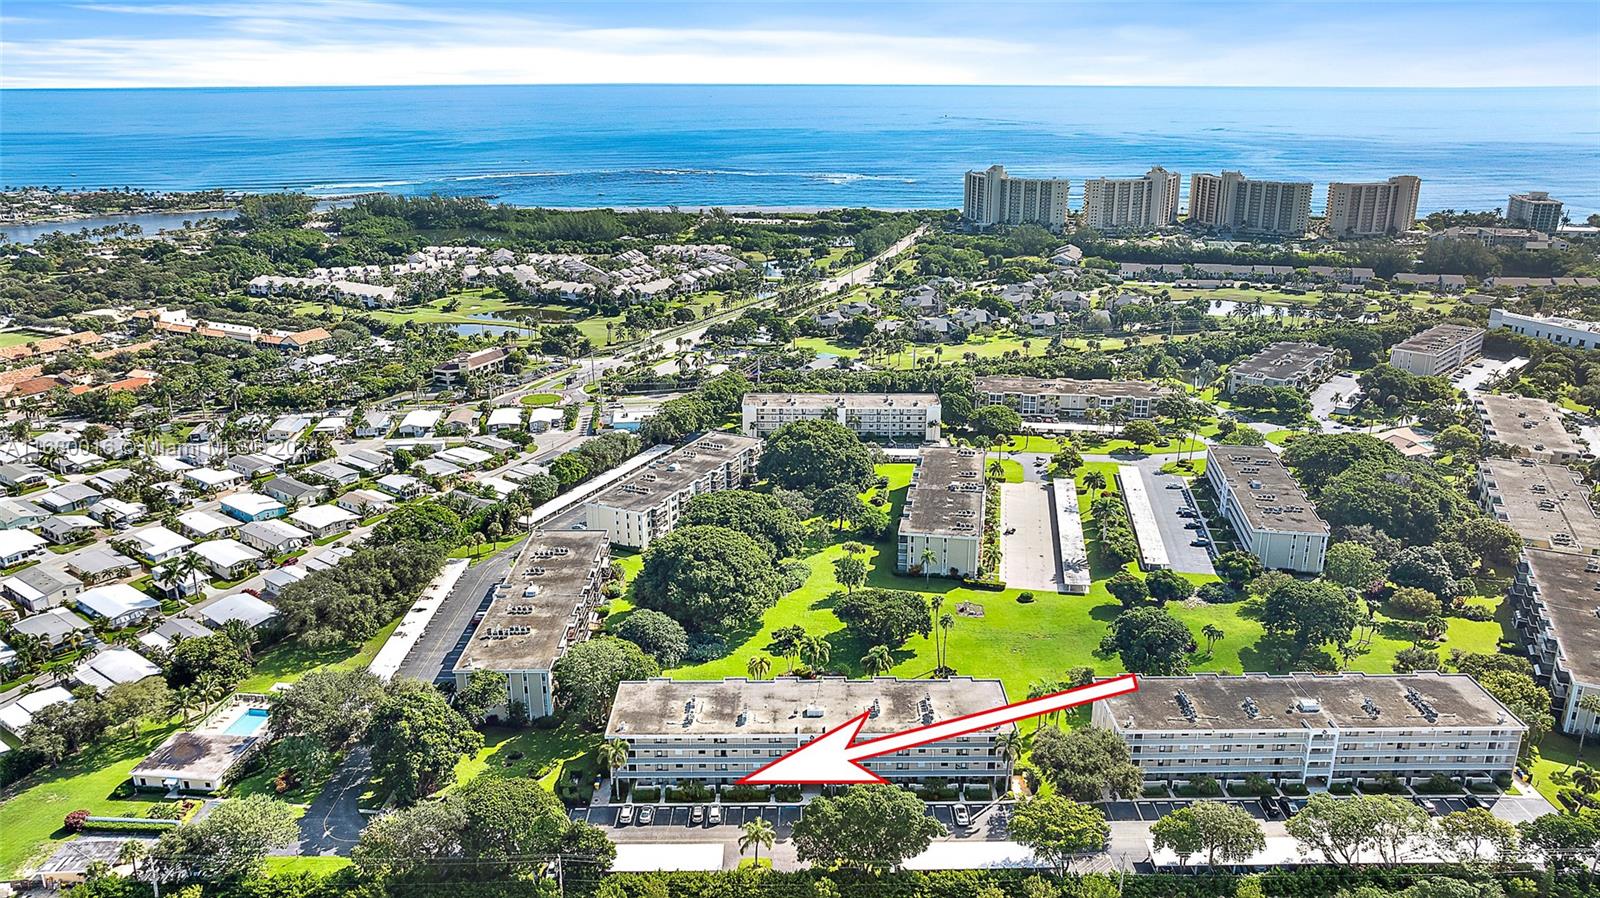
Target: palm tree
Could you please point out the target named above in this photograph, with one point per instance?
(1591, 703)
(1586, 778)
(1094, 480)
(946, 622)
(815, 652)
(877, 660)
(1213, 634)
(758, 834)
(928, 558)
(1009, 746)
(130, 854)
(758, 666)
(613, 754)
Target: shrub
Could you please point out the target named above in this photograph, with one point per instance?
(1024, 598)
(165, 811)
(647, 794)
(978, 793)
(73, 822)
(1439, 784)
(1414, 602)
(786, 793)
(745, 794)
(690, 793)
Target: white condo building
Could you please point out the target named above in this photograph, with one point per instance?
(1232, 202)
(1535, 209)
(943, 514)
(1561, 331)
(1284, 364)
(914, 415)
(646, 504)
(718, 731)
(1062, 397)
(1313, 729)
(1553, 611)
(1530, 426)
(992, 197)
(544, 605)
(1373, 209)
(1271, 515)
(1111, 204)
(1438, 350)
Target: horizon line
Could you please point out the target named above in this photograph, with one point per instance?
(437, 85)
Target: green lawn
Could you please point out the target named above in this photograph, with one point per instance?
(541, 399)
(320, 865)
(1030, 443)
(17, 338)
(289, 661)
(983, 347)
(30, 818)
(527, 752)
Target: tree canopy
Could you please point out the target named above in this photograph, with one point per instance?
(814, 454)
(874, 827)
(587, 677)
(708, 578)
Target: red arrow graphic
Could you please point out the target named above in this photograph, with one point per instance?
(833, 756)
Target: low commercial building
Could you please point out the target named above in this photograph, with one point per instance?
(1372, 209)
(1285, 364)
(1313, 729)
(1553, 611)
(717, 731)
(467, 364)
(1531, 427)
(1232, 202)
(1553, 329)
(914, 415)
(646, 503)
(1535, 209)
(1271, 515)
(992, 197)
(543, 606)
(1064, 397)
(1548, 505)
(1438, 350)
(941, 523)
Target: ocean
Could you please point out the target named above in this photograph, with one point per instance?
(794, 146)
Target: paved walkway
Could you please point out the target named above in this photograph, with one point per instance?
(334, 821)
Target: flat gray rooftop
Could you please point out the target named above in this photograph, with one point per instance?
(1293, 701)
(1543, 502)
(787, 705)
(946, 495)
(1282, 360)
(841, 400)
(196, 756)
(649, 485)
(523, 632)
(1066, 386)
(1526, 423)
(1268, 494)
(1439, 337)
(1567, 589)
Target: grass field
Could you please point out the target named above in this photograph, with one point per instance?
(289, 661)
(17, 338)
(981, 347)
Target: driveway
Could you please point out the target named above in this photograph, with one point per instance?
(1323, 401)
(1168, 493)
(334, 821)
(451, 625)
(1028, 545)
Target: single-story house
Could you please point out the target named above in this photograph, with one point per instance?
(113, 667)
(505, 418)
(418, 423)
(22, 475)
(40, 588)
(17, 546)
(16, 716)
(365, 503)
(69, 497)
(108, 480)
(76, 460)
(206, 524)
(118, 604)
(524, 470)
(402, 485)
(174, 630)
(492, 444)
(170, 466)
(274, 537)
(252, 507)
(323, 520)
(211, 480)
(227, 558)
(366, 461)
(436, 467)
(542, 419)
(117, 446)
(279, 578)
(375, 423)
(97, 564)
(62, 529)
(20, 514)
(194, 761)
(500, 485)
(241, 607)
(253, 465)
(461, 420)
(332, 424)
(157, 544)
(287, 427)
(112, 512)
(293, 491)
(465, 456)
(333, 472)
(173, 586)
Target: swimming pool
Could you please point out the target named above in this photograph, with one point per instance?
(249, 723)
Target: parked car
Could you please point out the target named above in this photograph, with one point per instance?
(1202, 542)
(1175, 486)
(698, 815)
(1286, 806)
(647, 815)
(625, 816)
(1472, 801)
(714, 816)
(1429, 805)
(1270, 808)
(962, 817)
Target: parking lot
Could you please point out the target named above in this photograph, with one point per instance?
(1168, 494)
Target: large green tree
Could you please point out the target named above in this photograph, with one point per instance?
(815, 454)
(875, 827)
(886, 617)
(1086, 763)
(228, 843)
(1057, 829)
(1150, 641)
(1221, 831)
(756, 515)
(417, 739)
(587, 677)
(1311, 613)
(708, 578)
(660, 636)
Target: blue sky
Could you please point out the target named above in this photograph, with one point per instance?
(188, 43)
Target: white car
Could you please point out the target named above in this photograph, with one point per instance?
(961, 815)
(625, 816)
(647, 814)
(714, 816)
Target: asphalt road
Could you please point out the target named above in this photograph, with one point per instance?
(334, 821)
(451, 624)
(1183, 557)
